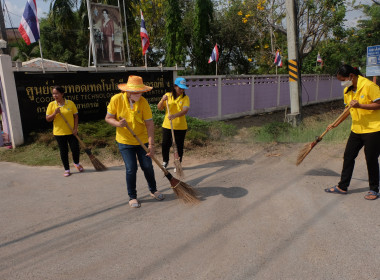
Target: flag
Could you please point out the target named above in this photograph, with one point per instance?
(214, 55)
(277, 59)
(144, 35)
(319, 58)
(29, 27)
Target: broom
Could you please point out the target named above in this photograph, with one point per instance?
(182, 190)
(177, 162)
(308, 147)
(95, 162)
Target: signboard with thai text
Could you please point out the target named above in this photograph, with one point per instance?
(91, 92)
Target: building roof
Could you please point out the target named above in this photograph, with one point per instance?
(36, 62)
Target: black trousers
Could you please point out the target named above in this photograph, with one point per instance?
(371, 143)
(63, 142)
(179, 136)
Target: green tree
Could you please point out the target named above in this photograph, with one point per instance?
(174, 36)
(25, 52)
(202, 45)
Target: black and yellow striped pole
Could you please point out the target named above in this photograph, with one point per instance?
(293, 70)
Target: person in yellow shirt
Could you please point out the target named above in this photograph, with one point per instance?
(129, 107)
(364, 98)
(62, 133)
(179, 105)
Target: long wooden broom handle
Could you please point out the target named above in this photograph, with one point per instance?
(72, 130)
(146, 149)
(341, 116)
(171, 125)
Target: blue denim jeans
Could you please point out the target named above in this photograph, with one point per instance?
(129, 153)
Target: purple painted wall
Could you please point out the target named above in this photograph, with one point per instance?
(235, 94)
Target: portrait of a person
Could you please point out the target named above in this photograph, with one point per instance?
(108, 36)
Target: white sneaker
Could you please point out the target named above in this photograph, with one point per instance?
(165, 164)
(175, 170)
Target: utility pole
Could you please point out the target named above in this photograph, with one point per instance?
(294, 78)
(3, 30)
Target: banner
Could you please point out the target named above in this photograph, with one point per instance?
(91, 93)
(108, 34)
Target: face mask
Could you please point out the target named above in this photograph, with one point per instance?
(346, 83)
(135, 96)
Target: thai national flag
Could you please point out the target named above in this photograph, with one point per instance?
(277, 59)
(29, 27)
(214, 55)
(144, 35)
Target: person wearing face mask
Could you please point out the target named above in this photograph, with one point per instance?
(129, 107)
(363, 96)
(179, 105)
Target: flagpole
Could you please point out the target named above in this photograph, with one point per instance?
(91, 33)
(216, 68)
(126, 33)
(276, 69)
(146, 62)
(42, 59)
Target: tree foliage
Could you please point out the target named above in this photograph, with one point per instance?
(174, 36)
(202, 45)
(248, 34)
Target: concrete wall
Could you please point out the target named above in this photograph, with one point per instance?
(223, 97)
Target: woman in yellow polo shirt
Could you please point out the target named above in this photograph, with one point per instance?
(129, 107)
(62, 133)
(364, 98)
(179, 105)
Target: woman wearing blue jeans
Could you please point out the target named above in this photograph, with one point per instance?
(130, 108)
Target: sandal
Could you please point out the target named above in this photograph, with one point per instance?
(134, 203)
(67, 173)
(157, 195)
(371, 195)
(335, 189)
(79, 167)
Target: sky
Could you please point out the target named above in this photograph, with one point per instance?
(16, 9)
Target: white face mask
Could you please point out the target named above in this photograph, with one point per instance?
(346, 83)
(135, 96)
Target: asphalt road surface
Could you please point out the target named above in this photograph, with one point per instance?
(261, 217)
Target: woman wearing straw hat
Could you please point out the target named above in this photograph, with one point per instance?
(179, 105)
(62, 133)
(363, 96)
(130, 108)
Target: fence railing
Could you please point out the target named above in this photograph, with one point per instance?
(225, 97)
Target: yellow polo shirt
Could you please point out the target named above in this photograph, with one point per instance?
(364, 121)
(175, 106)
(68, 110)
(135, 115)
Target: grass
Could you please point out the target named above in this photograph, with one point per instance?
(310, 128)
(41, 149)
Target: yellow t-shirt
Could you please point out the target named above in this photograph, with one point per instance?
(364, 121)
(135, 116)
(175, 106)
(68, 110)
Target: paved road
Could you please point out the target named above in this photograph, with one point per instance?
(261, 218)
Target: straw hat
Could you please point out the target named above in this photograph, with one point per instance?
(134, 85)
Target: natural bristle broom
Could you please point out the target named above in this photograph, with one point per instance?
(95, 162)
(308, 147)
(177, 162)
(183, 191)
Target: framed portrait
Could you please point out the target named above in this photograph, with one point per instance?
(107, 34)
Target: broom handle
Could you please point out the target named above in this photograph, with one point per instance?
(146, 149)
(337, 121)
(72, 130)
(171, 126)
